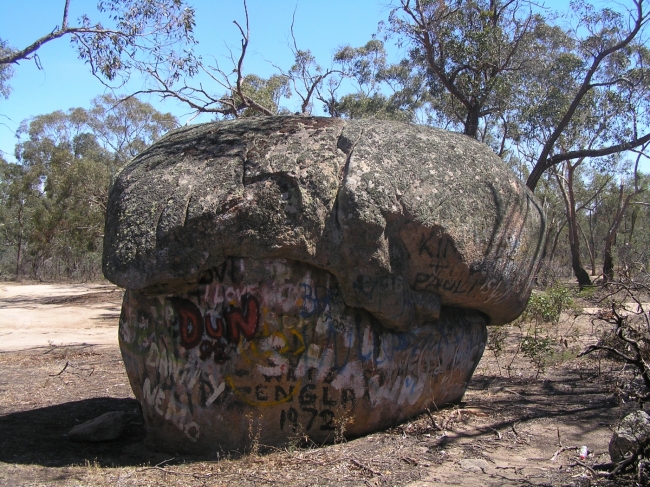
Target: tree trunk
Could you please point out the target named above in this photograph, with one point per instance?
(566, 188)
(574, 241)
(608, 264)
(471, 121)
(610, 240)
(581, 274)
(20, 240)
(590, 250)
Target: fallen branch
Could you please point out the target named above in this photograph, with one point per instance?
(364, 467)
(616, 467)
(62, 370)
(584, 465)
(562, 450)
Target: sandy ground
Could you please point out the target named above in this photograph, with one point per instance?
(60, 365)
(42, 315)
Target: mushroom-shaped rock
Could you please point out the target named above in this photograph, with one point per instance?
(293, 273)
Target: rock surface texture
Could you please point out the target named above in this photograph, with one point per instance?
(292, 276)
(108, 426)
(632, 435)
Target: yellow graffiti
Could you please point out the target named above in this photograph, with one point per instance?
(290, 325)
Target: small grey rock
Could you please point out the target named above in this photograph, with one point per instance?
(108, 426)
(474, 465)
(633, 431)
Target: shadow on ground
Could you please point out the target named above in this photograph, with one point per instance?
(39, 436)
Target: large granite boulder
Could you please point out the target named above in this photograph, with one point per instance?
(288, 274)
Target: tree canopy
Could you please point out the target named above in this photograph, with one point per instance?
(563, 98)
(135, 35)
(54, 197)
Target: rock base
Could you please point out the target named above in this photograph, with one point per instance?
(267, 352)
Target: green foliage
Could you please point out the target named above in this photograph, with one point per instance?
(497, 336)
(538, 350)
(587, 292)
(378, 106)
(537, 322)
(266, 92)
(124, 127)
(472, 53)
(54, 200)
(134, 35)
(496, 343)
(6, 71)
(547, 306)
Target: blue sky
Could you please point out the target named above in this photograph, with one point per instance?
(66, 82)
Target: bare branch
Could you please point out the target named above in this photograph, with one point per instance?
(604, 151)
(64, 22)
(544, 161)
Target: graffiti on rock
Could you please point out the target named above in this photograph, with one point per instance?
(213, 333)
(281, 341)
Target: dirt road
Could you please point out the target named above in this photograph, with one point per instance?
(42, 315)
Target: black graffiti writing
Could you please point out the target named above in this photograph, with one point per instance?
(309, 412)
(328, 420)
(231, 268)
(306, 419)
(280, 393)
(436, 245)
(435, 283)
(369, 288)
(327, 400)
(313, 413)
(290, 415)
(306, 397)
(348, 396)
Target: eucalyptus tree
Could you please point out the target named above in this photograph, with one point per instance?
(232, 92)
(602, 57)
(131, 35)
(575, 197)
(54, 198)
(587, 103)
(500, 64)
(379, 89)
(470, 51)
(18, 202)
(59, 150)
(627, 195)
(125, 127)
(229, 91)
(551, 86)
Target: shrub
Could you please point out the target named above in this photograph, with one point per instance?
(547, 306)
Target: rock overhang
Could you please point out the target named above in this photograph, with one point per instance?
(406, 218)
